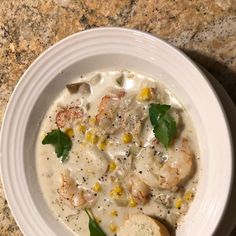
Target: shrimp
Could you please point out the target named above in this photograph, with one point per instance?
(107, 110)
(138, 189)
(177, 168)
(75, 197)
(168, 174)
(67, 115)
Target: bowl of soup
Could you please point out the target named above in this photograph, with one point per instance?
(114, 132)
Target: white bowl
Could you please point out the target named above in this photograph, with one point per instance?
(112, 48)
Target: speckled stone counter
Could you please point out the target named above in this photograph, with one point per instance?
(204, 29)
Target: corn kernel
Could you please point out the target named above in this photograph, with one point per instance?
(69, 132)
(92, 120)
(188, 196)
(178, 203)
(114, 213)
(116, 192)
(92, 138)
(112, 166)
(81, 128)
(132, 202)
(97, 187)
(144, 94)
(113, 228)
(102, 145)
(118, 189)
(127, 138)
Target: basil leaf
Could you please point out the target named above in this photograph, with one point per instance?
(94, 228)
(164, 125)
(61, 142)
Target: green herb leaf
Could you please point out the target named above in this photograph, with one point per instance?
(164, 125)
(156, 111)
(60, 141)
(94, 228)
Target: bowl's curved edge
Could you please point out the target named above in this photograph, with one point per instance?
(228, 221)
(100, 29)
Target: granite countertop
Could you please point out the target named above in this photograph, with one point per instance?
(204, 29)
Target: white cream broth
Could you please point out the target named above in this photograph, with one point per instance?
(107, 159)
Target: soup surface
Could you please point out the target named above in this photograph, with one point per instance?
(116, 143)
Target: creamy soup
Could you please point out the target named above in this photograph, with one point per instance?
(117, 143)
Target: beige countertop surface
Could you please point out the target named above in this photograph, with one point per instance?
(204, 29)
